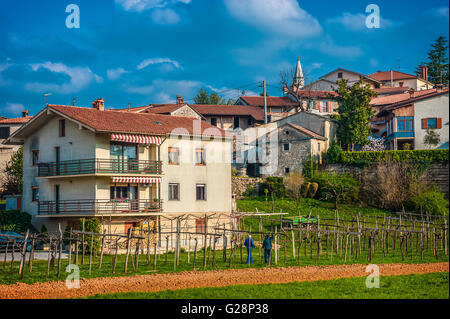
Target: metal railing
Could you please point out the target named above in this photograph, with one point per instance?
(93, 166)
(99, 206)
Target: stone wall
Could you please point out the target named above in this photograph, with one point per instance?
(241, 184)
(436, 173)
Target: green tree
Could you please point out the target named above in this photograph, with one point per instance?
(14, 171)
(437, 62)
(92, 225)
(431, 138)
(203, 97)
(355, 113)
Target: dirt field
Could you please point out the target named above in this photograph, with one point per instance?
(200, 279)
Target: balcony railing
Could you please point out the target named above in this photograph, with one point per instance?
(93, 166)
(99, 207)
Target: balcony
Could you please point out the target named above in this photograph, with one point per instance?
(99, 166)
(108, 207)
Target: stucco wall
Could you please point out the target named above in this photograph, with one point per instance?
(429, 108)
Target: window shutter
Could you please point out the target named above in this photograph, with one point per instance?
(439, 122)
(424, 123)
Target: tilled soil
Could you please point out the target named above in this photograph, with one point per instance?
(201, 279)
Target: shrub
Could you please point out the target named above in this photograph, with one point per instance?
(91, 225)
(394, 156)
(312, 190)
(293, 183)
(275, 186)
(309, 168)
(305, 188)
(339, 188)
(431, 201)
(389, 185)
(334, 153)
(15, 221)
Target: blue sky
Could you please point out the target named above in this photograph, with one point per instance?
(148, 51)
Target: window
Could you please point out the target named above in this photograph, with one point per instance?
(35, 193)
(286, 132)
(287, 170)
(4, 132)
(200, 156)
(287, 147)
(236, 121)
(200, 192)
(35, 157)
(174, 191)
(339, 75)
(214, 121)
(200, 225)
(400, 84)
(118, 192)
(432, 123)
(174, 155)
(318, 147)
(325, 106)
(404, 124)
(62, 128)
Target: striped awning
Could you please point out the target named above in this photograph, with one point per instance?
(137, 180)
(133, 138)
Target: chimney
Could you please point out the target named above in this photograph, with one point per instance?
(180, 99)
(99, 104)
(25, 113)
(411, 93)
(424, 72)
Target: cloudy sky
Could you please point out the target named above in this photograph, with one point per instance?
(148, 51)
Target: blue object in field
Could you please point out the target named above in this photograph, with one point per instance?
(250, 245)
(12, 236)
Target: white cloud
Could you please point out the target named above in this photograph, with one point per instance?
(80, 78)
(373, 62)
(114, 74)
(278, 16)
(356, 22)
(328, 47)
(165, 16)
(13, 108)
(152, 61)
(143, 5)
(440, 12)
(3, 67)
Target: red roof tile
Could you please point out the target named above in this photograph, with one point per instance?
(396, 75)
(384, 100)
(392, 90)
(316, 94)
(136, 123)
(18, 120)
(271, 101)
(231, 110)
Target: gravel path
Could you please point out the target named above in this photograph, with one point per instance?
(201, 279)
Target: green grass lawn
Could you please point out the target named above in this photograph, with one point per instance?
(427, 286)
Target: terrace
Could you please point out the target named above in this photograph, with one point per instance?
(99, 167)
(83, 207)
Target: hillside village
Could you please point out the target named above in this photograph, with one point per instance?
(78, 159)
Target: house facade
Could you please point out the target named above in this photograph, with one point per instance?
(407, 121)
(397, 79)
(328, 82)
(124, 168)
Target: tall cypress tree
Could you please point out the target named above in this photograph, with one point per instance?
(355, 113)
(437, 61)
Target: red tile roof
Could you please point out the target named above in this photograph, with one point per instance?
(385, 100)
(18, 120)
(136, 123)
(396, 75)
(163, 108)
(271, 101)
(230, 110)
(307, 132)
(316, 94)
(411, 100)
(392, 90)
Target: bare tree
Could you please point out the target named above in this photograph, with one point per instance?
(304, 96)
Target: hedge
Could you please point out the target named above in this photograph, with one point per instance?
(396, 156)
(15, 221)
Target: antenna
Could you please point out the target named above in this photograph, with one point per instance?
(46, 95)
(129, 106)
(74, 100)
